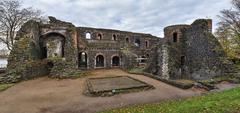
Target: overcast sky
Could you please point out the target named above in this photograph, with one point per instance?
(146, 16)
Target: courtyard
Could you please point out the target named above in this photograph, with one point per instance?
(45, 95)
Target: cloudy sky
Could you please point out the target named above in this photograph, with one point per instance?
(147, 16)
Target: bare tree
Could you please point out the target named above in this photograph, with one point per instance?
(12, 17)
(228, 31)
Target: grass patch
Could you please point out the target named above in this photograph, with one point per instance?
(136, 70)
(71, 74)
(223, 102)
(78, 74)
(5, 86)
(184, 81)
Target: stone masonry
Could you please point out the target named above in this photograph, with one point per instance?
(186, 51)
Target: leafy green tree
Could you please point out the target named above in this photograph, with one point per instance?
(228, 31)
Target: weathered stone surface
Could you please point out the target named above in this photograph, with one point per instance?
(186, 51)
(193, 53)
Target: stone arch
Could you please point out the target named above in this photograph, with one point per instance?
(53, 32)
(147, 44)
(115, 60)
(99, 36)
(88, 35)
(175, 36)
(114, 37)
(100, 60)
(52, 45)
(127, 40)
(82, 59)
(137, 42)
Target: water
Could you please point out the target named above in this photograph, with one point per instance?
(3, 63)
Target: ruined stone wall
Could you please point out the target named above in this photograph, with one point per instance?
(114, 43)
(186, 52)
(175, 48)
(205, 58)
(67, 61)
(194, 53)
(26, 47)
(24, 60)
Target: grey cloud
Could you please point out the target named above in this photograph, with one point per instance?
(148, 16)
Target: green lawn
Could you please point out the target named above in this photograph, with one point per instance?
(223, 102)
(5, 86)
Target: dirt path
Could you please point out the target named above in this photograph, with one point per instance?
(46, 95)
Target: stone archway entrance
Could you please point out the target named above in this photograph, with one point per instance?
(52, 45)
(82, 60)
(100, 61)
(115, 61)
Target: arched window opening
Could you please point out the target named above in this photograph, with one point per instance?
(137, 42)
(99, 61)
(175, 37)
(82, 59)
(114, 37)
(99, 36)
(88, 35)
(146, 44)
(115, 61)
(127, 40)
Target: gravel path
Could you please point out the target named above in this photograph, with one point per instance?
(46, 95)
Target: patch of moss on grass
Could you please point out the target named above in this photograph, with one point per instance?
(5, 86)
(136, 70)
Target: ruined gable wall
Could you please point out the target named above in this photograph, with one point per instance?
(65, 65)
(205, 58)
(24, 60)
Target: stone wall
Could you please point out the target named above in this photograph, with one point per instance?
(190, 52)
(24, 59)
(67, 61)
(205, 57)
(61, 49)
(114, 43)
(59, 46)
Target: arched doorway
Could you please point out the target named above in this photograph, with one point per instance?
(100, 61)
(52, 45)
(82, 59)
(115, 61)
